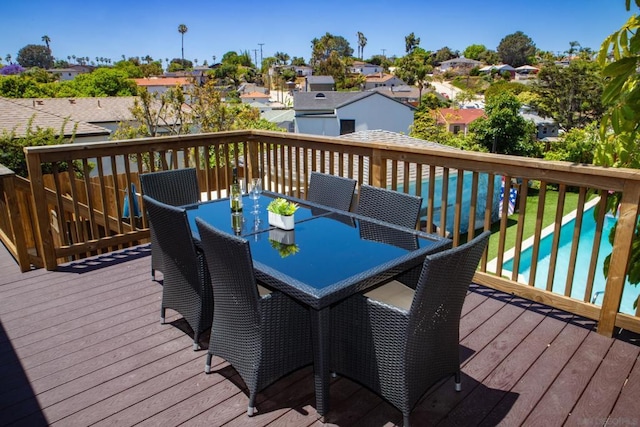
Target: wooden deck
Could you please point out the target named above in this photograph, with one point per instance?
(84, 346)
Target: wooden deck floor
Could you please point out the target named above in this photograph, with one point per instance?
(84, 346)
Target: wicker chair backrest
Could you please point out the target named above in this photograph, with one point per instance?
(331, 190)
(174, 187)
(175, 239)
(234, 285)
(389, 206)
(434, 316)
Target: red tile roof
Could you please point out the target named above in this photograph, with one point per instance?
(458, 115)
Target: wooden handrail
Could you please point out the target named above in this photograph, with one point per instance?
(285, 161)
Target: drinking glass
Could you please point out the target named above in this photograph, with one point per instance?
(254, 193)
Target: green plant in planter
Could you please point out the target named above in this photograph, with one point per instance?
(282, 206)
(283, 249)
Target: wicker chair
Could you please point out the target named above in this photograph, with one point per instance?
(186, 284)
(331, 190)
(389, 206)
(400, 350)
(262, 337)
(175, 187)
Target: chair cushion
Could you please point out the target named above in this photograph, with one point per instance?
(393, 293)
(262, 291)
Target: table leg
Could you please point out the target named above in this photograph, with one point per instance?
(320, 325)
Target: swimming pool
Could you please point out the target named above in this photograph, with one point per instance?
(587, 232)
(483, 180)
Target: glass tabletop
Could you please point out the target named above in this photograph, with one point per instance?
(218, 214)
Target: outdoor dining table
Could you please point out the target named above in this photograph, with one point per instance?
(329, 256)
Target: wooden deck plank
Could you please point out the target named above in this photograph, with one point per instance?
(597, 401)
(84, 346)
(625, 411)
(534, 384)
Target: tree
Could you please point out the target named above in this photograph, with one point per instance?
(164, 114)
(298, 61)
(46, 41)
(504, 130)
(444, 54)
(571, 95)
(620, 126)
(516, 49)
(33, 55)
(414, 67)
(575, 146)
(473, 51)
(281, 58)
(573, 48)
(411, 42)
(325, 45)
(362, 42)
(182, 29)
(178, 64)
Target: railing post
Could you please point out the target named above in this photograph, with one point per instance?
(377, 169)
(43, 226)
(625, 231)
(17, 238)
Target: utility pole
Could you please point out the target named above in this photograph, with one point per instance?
(255, 55)
(383, 51)
(260, 44)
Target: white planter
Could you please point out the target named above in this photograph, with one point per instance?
(281, 221)
(286, 237)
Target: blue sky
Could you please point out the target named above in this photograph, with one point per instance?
(140, 27)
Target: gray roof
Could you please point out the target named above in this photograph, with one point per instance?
(461, 60)
(330, 101)
(92, 110)
(15, 115)
(278, 116)
(386, 136)
(320, 79)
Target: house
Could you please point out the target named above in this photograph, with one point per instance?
(459, 63)
(500, 68)
(71, 71)
(15, 116)
(547, 129)
(303, 70)
(337, 113)
(64, 74)
(382, 80)
(105, 112)
(403, 93)
(364, 68)
(252, 97)
(457, 120)
(319, 83)
(162, 84)
(526, 72)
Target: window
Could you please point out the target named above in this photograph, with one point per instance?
(347, 126)
(456, 129)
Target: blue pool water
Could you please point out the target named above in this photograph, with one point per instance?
(483, 180)
(587, 232)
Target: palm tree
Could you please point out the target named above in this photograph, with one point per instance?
(46, 41)
(182, 29)
(362, 42)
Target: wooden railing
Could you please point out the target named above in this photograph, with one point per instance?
(84, 215)
(17, 219)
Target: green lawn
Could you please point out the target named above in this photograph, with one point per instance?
(570, 204)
